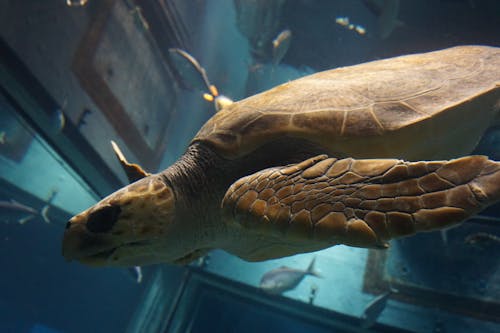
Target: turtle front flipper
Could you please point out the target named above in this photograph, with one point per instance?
(361, 203)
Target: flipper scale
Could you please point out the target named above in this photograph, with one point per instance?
(362, 202)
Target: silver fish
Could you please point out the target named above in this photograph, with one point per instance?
(13, 205)
(285, 278)
(313, 291)
(342, 20)
(444, 232)
(61, 119)
(281, 44)
(32, 212)
(482, 239)
(59, 116)
(76, 3)
(17, 206)
(25, 219)
(135, 273)
(195, 76)
(373, 310)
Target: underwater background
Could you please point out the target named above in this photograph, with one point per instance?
(75, 74)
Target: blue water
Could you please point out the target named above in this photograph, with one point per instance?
(445, 286)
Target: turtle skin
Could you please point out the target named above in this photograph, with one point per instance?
(356, 155)
(361, 203)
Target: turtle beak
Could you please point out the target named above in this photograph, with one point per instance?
(79, 243)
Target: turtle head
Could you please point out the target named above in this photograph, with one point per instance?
(132, 226)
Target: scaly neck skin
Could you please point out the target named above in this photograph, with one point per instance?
(199, 180)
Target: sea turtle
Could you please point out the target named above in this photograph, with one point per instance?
(312, 163)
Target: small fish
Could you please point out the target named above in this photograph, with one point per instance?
(3, 137)
(203, 261)
(25, 219)
(139, 18)
(76, 3)
(281, 44)
(14, 205)
(444, 232)
(44, 213)
(19, 207)
(313, 292)
(220, 101)
(359, 29)
(135, 273)
(285, 278)
(61, 118)
(482, 239)
(373, 310)
(342, 20)
(32, 212)
(194, 75)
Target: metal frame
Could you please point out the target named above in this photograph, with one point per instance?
(199, 284)
(377, 281)
(101, 93)
(36, 106)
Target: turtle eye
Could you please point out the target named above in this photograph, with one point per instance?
(103, 219)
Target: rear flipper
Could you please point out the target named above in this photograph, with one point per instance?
(362, 203)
